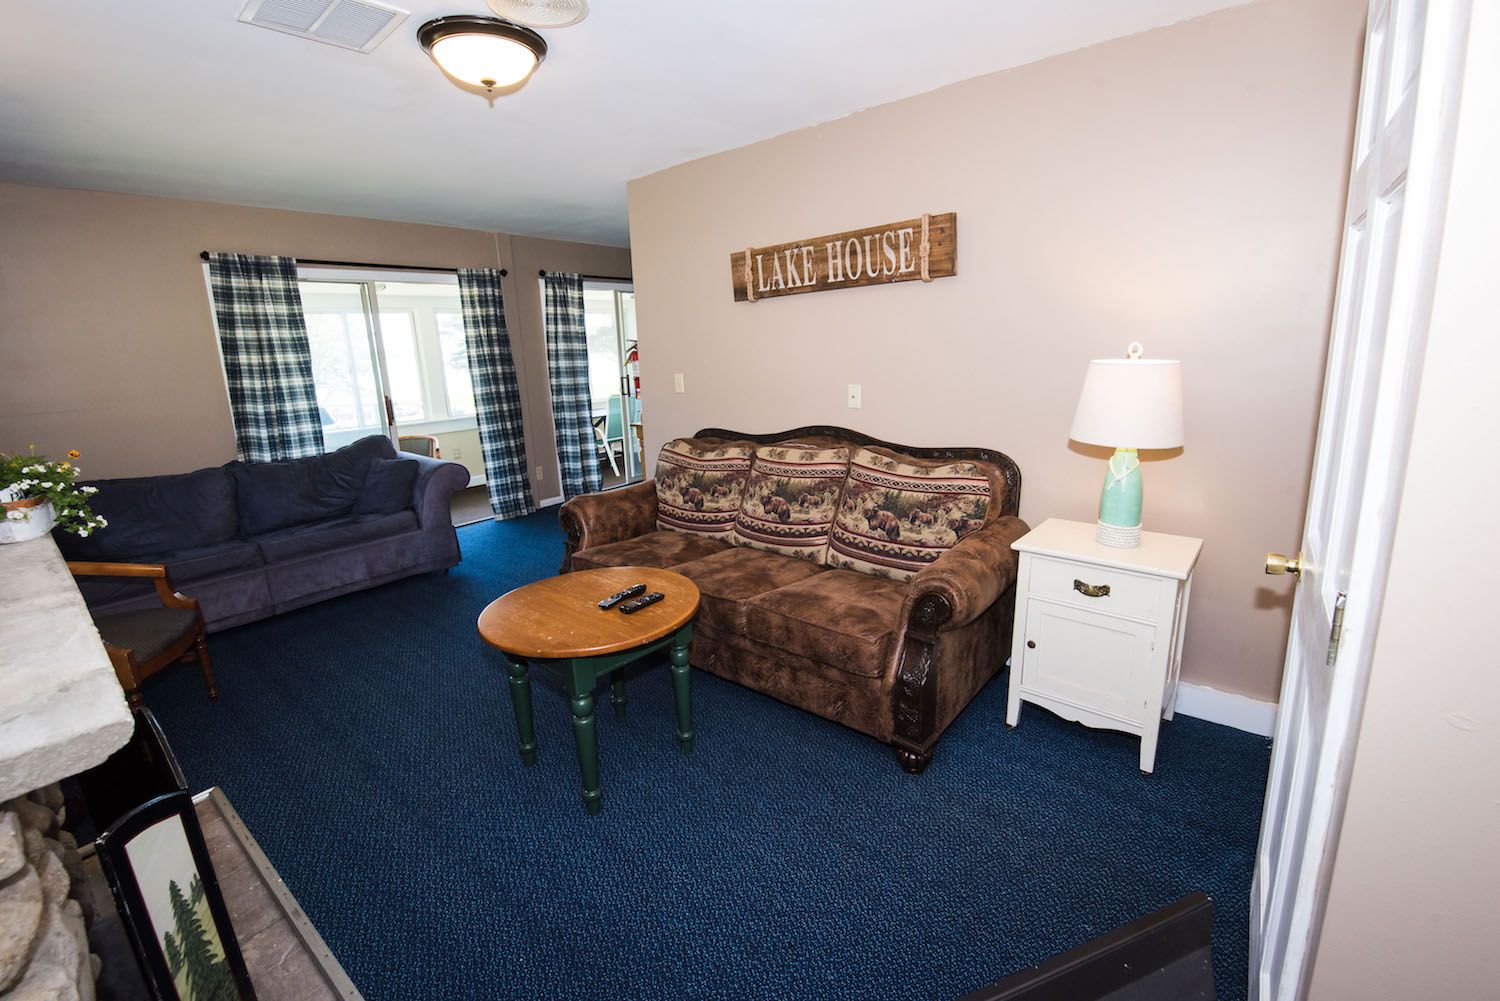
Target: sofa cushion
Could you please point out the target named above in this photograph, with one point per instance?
(898, 516)
(156, 514)
(653, 549)
(276, 495)
(387, 487)
(727, 580)
(790, 500)
(699, 485)
(300, 541)
(185, 567)
(837, 617)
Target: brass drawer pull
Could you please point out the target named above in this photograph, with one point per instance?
(1091, 590)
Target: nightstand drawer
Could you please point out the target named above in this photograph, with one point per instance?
(1095, 588)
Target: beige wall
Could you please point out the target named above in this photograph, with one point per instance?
(107, 342)
(1415, 897)
(1183, 187)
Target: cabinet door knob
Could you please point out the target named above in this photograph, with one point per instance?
(1031, 644)
(1091, 590)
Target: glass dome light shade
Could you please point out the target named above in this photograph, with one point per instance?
(483, 51)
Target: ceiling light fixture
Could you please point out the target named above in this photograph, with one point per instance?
(483, 51)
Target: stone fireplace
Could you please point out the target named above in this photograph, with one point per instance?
(61, 711)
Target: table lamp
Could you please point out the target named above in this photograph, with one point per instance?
(1129, 403)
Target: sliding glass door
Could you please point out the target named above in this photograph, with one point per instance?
(614, 383)
(389, 357)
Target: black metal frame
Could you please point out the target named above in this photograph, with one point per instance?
(1118, 959)
(480, 24)
(112, 848)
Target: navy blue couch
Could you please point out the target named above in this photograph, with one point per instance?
(251, 540)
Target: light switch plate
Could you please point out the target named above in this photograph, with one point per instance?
(679, 385)
(854, 396)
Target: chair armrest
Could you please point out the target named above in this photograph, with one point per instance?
(966, 580)
(432, 491)
(154, 571)
(85, 568)
(613, 516)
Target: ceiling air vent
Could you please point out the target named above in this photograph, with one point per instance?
(350, 24)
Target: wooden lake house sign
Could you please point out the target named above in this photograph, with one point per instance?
(919, 249)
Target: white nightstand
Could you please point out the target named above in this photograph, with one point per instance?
(1098, 635)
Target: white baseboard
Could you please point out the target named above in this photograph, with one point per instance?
(1239, 711)
(549, 502)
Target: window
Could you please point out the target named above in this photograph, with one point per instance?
(614, 390)
(455, 353)
(378, 336)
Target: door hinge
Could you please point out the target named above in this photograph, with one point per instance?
(1337, 632)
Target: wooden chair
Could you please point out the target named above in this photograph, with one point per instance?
(140, 643)
(420, 444)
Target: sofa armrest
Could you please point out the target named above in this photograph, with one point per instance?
(432, 492)
(966, 580)
(613, 516)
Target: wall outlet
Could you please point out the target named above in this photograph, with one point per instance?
(538, 473)
(678, 384)
(457, 453)
(854, 396)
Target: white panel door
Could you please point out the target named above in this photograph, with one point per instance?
(1397, 192)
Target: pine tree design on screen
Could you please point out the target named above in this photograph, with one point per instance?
(194, 953)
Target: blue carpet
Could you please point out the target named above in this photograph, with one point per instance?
(368, 743)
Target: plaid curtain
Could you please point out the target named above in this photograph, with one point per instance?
(568, 376)
(267, 362)
(497, 401)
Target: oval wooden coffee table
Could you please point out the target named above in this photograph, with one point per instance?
(557, 624)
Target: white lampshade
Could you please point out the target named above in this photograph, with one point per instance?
(1130, 402)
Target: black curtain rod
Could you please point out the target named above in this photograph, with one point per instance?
(591, 278)
(375, 267)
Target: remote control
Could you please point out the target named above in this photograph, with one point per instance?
(619, 596)
(640, 603)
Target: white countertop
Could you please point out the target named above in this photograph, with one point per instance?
(61, 707)
(1159, 554)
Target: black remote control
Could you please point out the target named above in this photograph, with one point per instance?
(640, 603)
(619, 596)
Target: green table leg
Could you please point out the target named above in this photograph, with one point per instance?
(682, 688)
(520, 701)
(617, 694)
(586, 742)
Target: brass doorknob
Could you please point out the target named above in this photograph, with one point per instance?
(1279, 564)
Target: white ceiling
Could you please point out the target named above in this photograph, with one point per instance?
(177, 97)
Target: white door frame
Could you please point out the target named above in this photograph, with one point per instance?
(1291, 885)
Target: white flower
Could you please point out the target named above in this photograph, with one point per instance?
(15, 515)
(89, 490)
(99, 520)
(83, 533)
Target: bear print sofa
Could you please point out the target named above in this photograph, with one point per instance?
(866, 582)
(252, 540)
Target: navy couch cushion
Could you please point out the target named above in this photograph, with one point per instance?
(277, 495)
(301, 541)
(157, 514)
(184, 568)
(387, 487)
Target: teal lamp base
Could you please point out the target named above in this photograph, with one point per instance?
(1120, 502)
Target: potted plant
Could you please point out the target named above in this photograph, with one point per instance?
(39, 494)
